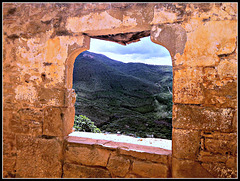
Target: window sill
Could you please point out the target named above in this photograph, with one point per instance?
(148, 145)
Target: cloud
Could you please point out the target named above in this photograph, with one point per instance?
(144, 51)
(139, 59)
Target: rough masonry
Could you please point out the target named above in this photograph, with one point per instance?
(40, 44)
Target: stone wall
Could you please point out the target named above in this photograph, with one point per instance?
(96, 158)
(205, 97)
(40, 44)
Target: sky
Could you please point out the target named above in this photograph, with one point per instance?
(144, 51)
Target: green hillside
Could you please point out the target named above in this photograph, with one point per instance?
(126, 98)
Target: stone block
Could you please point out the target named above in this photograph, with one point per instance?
(56, 97)
(8, 88)
(68, 116)
(10, 103)
(79, 141)
(160, 34)
(87, 155)
(58, 121)
(9, 144)
(51, 97)
(209, 75)
(235, 121)
(220, 143)
(26, 92)
(70, 97)
(115, 20)
(217, 11)
(149, 169)
(6, 118)
(189, 169)
(38, 157)
(219, 135)
(31, 113)
(205, 156)
(219, 170)
(224, 94)
(203, 47)
(31, 120)
(30, 127)
(202, 118)
(52, 123)
(130, 175)
(148, 156)
(17, 125)
(9, 166)
(80, 171)
(232, 162)
(165, 15)
(185, 143)
(221, 146)
(104, 21)
(118, 165)
(187, 85)
(227, 69)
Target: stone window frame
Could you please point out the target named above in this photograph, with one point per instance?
(112, 39)
(159, 34)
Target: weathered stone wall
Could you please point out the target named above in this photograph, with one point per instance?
(205, 96)
(40, 44)
(95, 158)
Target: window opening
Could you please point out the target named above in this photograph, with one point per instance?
(124, 89)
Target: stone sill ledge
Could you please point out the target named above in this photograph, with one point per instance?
(147, 145)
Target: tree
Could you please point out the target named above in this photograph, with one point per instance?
(83, 123)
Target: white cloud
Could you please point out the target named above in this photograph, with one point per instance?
(144, 51)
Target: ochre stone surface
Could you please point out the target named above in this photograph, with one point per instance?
(9, 153)
(206, 156)
(38, 157)
(79, 171)
(203, 49)
(9, 166)
(222, 146)
(25, 120)
(187, 86)
(56, 121)
(189, 169)
(146, 169)
(40, 44)
(87, 156)
(120, 160)
(220, 170)
(159, 157)
(186, 143)
(118, 165)
(175, 44)
(202, 118)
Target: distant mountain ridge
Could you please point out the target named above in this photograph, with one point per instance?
(117, 95)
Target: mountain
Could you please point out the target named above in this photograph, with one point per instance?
(130, 98)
